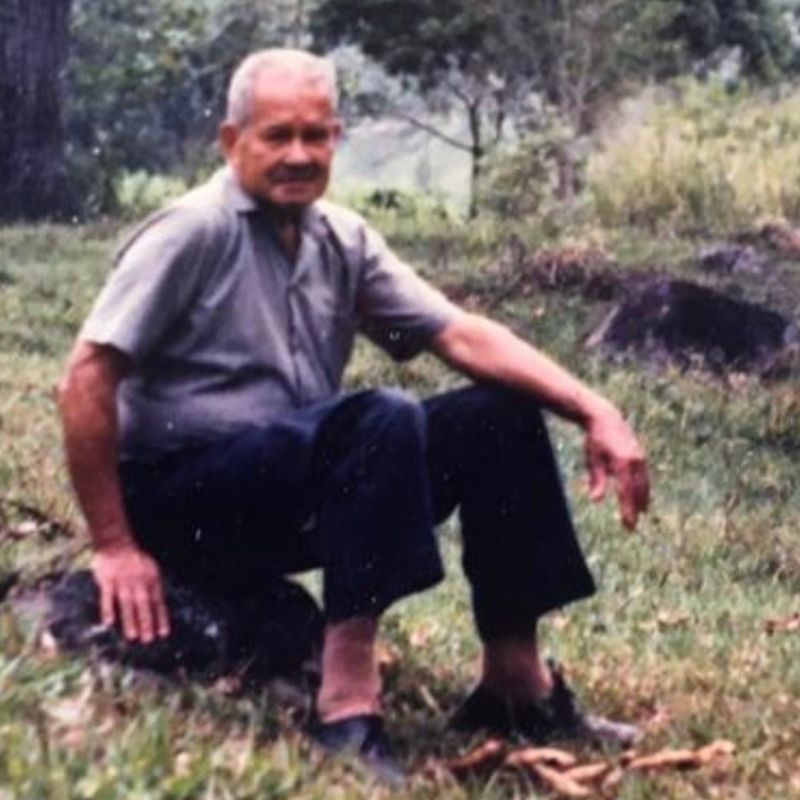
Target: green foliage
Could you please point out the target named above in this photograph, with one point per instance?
(146, 84)
(702, 160)
(757, 28)
(512, 48)
(140, 193)
(146, 81)
(439, 241)
(523, 182)
(422, 39)
(536, 68)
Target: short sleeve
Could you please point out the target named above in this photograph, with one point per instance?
(398, 310)
(157, 273)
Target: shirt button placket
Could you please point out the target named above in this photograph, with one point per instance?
(291, 300)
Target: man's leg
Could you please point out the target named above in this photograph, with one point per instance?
(376, 529)
(490, 454)
(358, 465)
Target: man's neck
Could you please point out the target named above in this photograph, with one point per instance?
(288, 226)
(288, 231)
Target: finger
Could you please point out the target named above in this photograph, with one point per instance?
(144, 614)
(106, 604)
(160, 609)
(127, 611)
(626, 497)
(641, 486)
(598, 476)
(628, 512)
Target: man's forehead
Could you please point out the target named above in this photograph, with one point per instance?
(287, 91)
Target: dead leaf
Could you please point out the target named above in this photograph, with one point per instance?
(227, 685)
(559, 622)
(531, 756)
(672, 619)
(429, 700)
(386, 657)
(70, 718)
(27, 528)
(559, 782)
(785, 625)
(774, 767)
(588, 773)
(485, 758)
(660, 718)
(48, 645)
(421, 635)
(69, 712)
(183, 763)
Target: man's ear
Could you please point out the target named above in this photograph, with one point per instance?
(228, 134)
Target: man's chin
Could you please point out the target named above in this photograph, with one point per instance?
(294, 197)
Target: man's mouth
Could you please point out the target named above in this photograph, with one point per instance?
(306, 176)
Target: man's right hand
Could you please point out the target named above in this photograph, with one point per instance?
(131, 591)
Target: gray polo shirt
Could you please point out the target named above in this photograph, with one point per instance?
(225, 332)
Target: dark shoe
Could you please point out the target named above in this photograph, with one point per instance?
(555, 717)
(364, 737)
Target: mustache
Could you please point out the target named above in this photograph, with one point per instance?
(285, 174)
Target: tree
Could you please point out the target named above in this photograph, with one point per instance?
(33, 49)
(757, 28)
(532, 63)
(147, 81)
(542, 63)
(445, 50)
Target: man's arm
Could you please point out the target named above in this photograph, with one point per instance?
(128, 578)
(489, 351)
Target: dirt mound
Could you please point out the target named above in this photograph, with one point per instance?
(732, 259)
(681, 322)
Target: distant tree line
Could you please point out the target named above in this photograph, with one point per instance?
(88, 89)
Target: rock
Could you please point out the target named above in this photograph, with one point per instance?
(277, 634)
(673, 320)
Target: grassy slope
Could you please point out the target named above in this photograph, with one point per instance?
(675, 636)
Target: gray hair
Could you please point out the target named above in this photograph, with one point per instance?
(279, 61)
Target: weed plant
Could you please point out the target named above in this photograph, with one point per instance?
(700, 159)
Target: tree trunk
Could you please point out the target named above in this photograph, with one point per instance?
(569, 178)
(299, 24)
(33, 49)
(476, 153)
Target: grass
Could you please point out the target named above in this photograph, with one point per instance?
(699, 157)
(675, 638)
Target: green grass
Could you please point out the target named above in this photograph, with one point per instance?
(699, 157)
(676, 633)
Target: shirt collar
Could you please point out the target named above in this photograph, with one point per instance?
(313, 218)
(235, 197)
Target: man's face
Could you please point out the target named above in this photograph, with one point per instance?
(282, 154)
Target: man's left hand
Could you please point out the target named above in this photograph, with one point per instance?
(613, 453)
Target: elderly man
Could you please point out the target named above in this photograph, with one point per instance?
(206, 433)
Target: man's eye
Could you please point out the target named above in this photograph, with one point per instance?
(317, 136)
(278, 136)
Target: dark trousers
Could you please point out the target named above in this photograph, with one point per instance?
(355, 485)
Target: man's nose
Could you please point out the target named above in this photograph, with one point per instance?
(297, 152)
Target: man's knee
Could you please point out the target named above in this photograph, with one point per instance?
(393, 410)
(496, 415)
